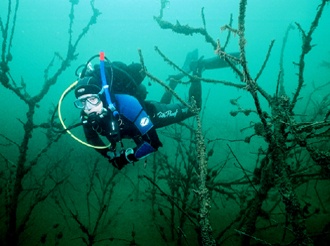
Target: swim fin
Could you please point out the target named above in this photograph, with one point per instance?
(190, 58)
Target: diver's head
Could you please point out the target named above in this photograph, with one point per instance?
(88, 96)
(87, 85)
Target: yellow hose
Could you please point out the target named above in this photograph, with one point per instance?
(64, 126)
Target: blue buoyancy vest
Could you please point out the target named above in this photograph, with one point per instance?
(130, 108)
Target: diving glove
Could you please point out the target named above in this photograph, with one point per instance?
(122, 159)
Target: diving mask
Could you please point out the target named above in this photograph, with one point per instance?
(93, 100)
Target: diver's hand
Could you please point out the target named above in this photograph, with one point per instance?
(112, 154)
(121, 160)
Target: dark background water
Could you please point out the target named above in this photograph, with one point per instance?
(122, 28)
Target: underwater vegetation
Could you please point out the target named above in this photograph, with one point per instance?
(48, 196)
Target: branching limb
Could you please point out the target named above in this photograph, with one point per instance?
(229, 26)
(306, 48)
(153, 78)
(251, 84)
(170, 199)
(280, 90)
(194, 77)
(244, 171)
(203, 192)
(178, 28)
(266, 60)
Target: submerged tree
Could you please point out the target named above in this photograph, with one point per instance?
(282, 129)
(181, 191)
(23, 189)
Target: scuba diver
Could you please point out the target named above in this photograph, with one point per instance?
(113, 105)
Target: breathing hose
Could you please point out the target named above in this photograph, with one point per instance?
(63, 124)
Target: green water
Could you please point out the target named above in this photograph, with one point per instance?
(76, 192)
